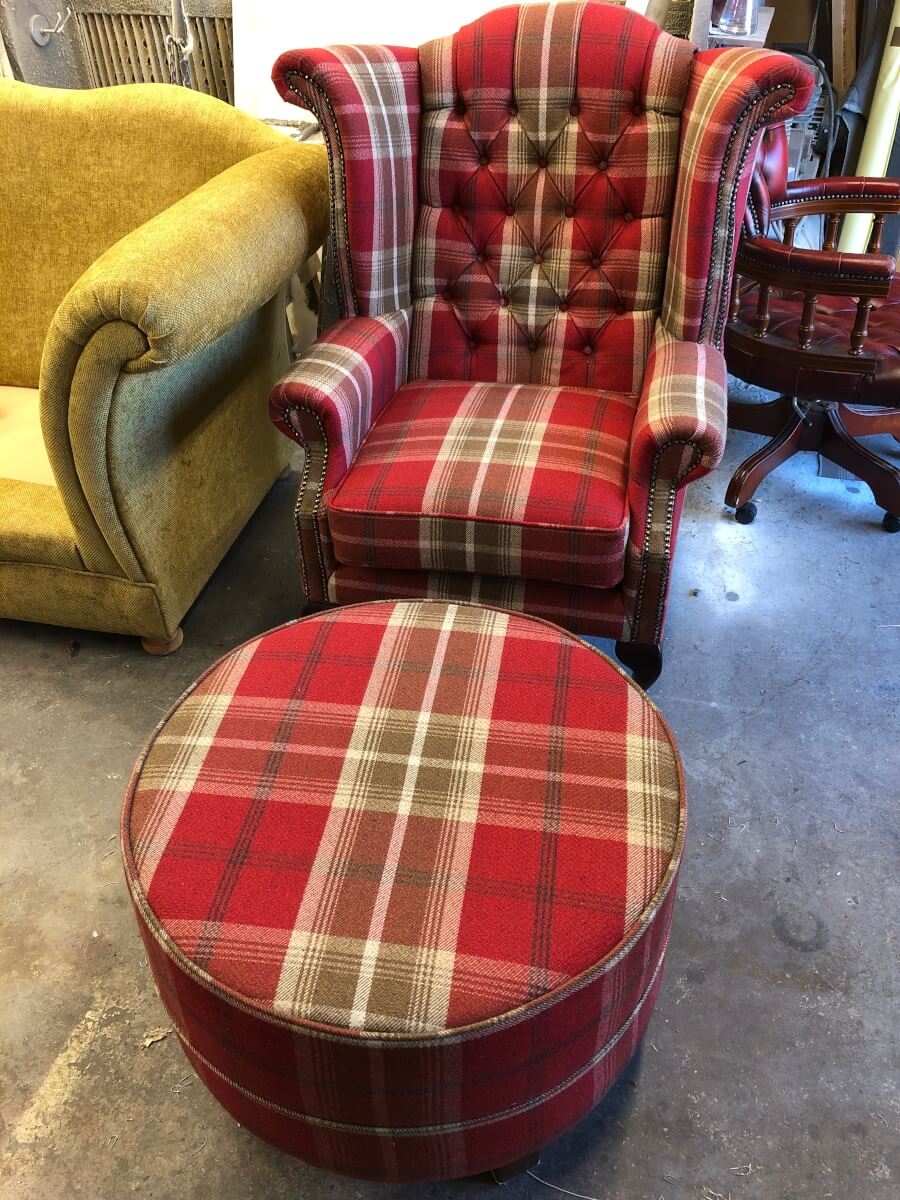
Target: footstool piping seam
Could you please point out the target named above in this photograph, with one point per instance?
(453, 1126)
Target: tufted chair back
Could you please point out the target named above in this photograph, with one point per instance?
(545, 195)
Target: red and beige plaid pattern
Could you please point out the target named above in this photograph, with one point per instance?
(366, 99)
(573, 175)
(595, 612)
(549, 148)
(405, 872)
(732, 95)
(679, 435)
(327, 403)
(526, 482)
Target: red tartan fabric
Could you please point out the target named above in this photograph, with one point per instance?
(595, 612)
(367, 100)
(542, 189)
(733, 94)
(523, 481)
(404, 873)
(548, 147)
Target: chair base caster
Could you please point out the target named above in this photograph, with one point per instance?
(746, 514)
(160, 648)
(890, 523)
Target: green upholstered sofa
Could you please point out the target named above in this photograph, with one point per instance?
(148, 233)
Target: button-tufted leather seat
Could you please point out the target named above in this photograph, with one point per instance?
(533, 223)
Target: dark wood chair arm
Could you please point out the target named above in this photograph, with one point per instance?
(814, 271)
(836, 195)
(768, 264)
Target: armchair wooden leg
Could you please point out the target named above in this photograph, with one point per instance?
(644, 662)
(161, 647)
(796, 435)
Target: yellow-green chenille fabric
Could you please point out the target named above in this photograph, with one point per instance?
(149, 233)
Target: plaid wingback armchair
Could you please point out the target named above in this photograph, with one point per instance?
(533, 228)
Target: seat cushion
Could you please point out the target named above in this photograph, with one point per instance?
(834, 320)
(22, 453)
(518, 481)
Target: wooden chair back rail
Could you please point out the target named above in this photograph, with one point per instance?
(780, 210)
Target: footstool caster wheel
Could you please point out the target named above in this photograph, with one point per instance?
(746, 514)
(890, 523)
(503, 1175)
(159, 648)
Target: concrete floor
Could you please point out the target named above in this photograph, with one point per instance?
(771, 1066)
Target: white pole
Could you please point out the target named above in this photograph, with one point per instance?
(881, 129)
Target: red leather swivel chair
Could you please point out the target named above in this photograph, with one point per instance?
(820, 326)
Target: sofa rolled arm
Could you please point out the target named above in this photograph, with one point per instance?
(339, 385)
(194, 271)
(678, 435)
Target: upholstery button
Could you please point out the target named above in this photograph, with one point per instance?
(446, 294)
(460, 108)
(570, 211)
(563, 306)
(482, 160)
(588, 350)
(595, 262)
(542, 162)
(531, 344)
(602, 164)
(628, 217)
(538, 259)
(457, 208)
(513, 110)
(510, 210)
(574, 110)
(504, 303)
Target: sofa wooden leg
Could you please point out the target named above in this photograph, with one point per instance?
(519, 1167)
(644, 662)
(162, 647)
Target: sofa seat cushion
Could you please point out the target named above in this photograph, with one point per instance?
(35, 527)
(518, 481)
(22, 452)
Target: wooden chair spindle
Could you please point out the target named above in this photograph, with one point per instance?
(808, 321)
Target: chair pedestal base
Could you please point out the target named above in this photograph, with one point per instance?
(830, 429)
(644, 662)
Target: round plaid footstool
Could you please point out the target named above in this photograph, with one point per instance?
(405, 874)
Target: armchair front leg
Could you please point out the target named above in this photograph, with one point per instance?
(678, 436)
(327, 403)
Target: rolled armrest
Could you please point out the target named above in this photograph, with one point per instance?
(815, 271)
(337, 388)
(197, 269)
(683, 408)
(678, 435)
